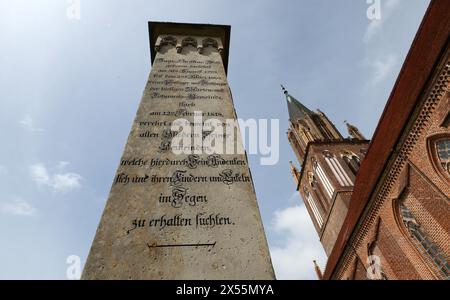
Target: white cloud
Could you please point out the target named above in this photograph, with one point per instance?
(58, 182)
(382, 67)
(66, 182)
(28, 123)
(40, 174)
(375, 26)
(62, 164)
(300, 245)
(17, 207)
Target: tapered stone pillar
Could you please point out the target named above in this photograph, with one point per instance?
(189, 215)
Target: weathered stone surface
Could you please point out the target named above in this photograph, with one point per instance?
(183, 216)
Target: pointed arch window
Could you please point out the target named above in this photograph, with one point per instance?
(313, 206)
(304, 136)
(324, 130)
(352, 160)
(305, 132)
(337, 169)
(303, 124)
(423, 241)
(309, 135)
(323, 178)
(299, 141)
(443, 153)
(439, 152)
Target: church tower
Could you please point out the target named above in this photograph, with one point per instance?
(329, 165)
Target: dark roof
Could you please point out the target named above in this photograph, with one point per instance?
(296, 110)
(427, 49)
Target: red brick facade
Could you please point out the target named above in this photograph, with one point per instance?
(413, 206)
(393, 220)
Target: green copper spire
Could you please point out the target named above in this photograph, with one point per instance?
(297, 111)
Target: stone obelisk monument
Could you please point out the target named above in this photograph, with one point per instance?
(173, 215)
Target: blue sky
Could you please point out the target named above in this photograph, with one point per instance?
(69, 91)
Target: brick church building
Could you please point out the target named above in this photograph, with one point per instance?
(381, 207)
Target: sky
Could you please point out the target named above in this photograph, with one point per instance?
(70, 89)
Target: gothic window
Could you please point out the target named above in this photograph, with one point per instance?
(323, 178)
(337, 169)
(443, 153)
(328, 135)
(298, 141)
(439, 152)
(305, 132)
(303, 124)
(304, 137)
(309, 135)
(313, 206)
(420, 238)
(352, 160)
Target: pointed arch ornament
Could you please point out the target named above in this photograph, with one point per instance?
(438, 148)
